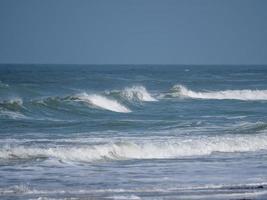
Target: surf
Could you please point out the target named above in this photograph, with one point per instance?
(245, 95)
(137, 149)
(136, 93)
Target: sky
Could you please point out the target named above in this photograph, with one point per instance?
(133, 31)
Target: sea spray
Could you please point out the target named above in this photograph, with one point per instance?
(136, 93)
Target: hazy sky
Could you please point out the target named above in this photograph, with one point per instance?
(133, 31)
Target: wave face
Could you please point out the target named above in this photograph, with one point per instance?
(246, 95)
(10, 108)
(149, 149)
(102, 102)
(108, 101)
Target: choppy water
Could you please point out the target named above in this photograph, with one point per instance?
(133, 132)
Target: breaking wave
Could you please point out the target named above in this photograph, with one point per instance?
(147, 149)
(246, 95)
(102, 102)
(12, 104)
(10, 108)
(134, 93)
(110, 100)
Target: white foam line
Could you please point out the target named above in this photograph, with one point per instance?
(148, 149)
(246, 95)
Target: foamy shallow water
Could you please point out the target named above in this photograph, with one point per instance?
(133, 132)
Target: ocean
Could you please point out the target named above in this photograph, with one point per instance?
(133, 132)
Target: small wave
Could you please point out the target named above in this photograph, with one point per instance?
(3, 85)
(102, 102)
(154, 149)
(93, 100)
(12, 104)
(258, 190)
(246, 95)
(249, 128)
(10, 108)
(48, 101)
(134, 93)
(137, 93)
(25, 189)
(12, 115)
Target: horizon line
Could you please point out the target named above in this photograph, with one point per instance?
(227, 64)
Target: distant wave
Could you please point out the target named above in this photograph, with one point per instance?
(134, 93)
(3, 85)
(12, 114)
(13, 103)
(10, 108)
(109, 100)
(182, 91)
(137, 92)
(102, 102)
(148, 149)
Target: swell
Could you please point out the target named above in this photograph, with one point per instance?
(11, 108)
(12, 104)
(113, 100)
(246, 95)
(121, 100)
(249, 128)
(138, 149)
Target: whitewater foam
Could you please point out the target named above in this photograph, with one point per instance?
(25, 189)
(182, 91)
(137, 93)
(12, 115)
(149, 149)
(103, 102)
(198, 192)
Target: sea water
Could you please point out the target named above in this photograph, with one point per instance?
(133, 132)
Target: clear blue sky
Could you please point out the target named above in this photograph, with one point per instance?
(133, 31)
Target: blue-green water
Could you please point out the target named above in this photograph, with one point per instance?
(133, 132)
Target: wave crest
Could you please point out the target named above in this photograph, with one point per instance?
(102, 102)
(12, 104)
(134, 93)
(137, 93)
(246, 95)
(148, 149)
